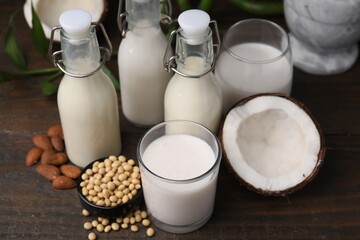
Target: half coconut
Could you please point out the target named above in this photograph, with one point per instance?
(49, 12)
(272, 143)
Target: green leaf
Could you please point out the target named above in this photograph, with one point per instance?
(274, 7)
(6, 74)
(184, 5)
(114, 53)
(49, 88)
(113, 79)
(2, 76)
(37, 33)
(11, 46)
(206, 5)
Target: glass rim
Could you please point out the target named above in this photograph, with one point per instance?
(283, 52)
(181, 181)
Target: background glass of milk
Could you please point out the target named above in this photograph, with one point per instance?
(255, 57)
(179, 163)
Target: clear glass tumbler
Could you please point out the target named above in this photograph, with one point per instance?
(179, 163)
(255, 57)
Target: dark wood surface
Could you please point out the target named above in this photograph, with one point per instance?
(327, 208)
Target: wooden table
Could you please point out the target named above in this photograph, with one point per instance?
(327, 208)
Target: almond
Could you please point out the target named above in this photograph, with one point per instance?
(45, 155)
(49, 172)
(42, 141)
(33, 156)
(63, 182)
(55, 130)
(58, 143)
(57, 159)
(70, 171)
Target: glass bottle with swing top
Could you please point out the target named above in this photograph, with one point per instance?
(87, 99)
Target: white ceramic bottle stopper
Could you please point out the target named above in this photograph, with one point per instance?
(194, 24)
(76, 23)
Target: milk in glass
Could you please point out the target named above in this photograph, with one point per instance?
(179, 157)
(239, 78)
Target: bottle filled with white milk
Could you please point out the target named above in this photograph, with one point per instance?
(87, 99)
(142, 77)
(192, 93)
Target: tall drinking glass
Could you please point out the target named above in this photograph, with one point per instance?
(255, 57)
(179, 164)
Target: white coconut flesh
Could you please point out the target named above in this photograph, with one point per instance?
(49, 11)
(271, 143)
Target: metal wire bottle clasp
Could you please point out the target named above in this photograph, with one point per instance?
(121, 17)
(56, 56)
(170, 62)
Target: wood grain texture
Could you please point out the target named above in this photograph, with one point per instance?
(327, 208)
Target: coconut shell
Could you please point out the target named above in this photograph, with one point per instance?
(309, 178)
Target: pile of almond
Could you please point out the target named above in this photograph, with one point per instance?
(54, 165)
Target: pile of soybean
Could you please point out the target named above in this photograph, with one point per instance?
(133, 220)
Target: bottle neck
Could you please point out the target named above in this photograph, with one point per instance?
(195, 54)
(142, 14)
(80, 55)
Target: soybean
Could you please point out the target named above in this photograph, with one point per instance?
(100, 228)
(134, 228)
(88, 225)
(115, 226)
(107, 228)
(146, 222)
(150, 232)
(92, 236)
(85, 213)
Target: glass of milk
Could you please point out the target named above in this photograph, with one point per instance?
(179, 163)
(255, 57)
